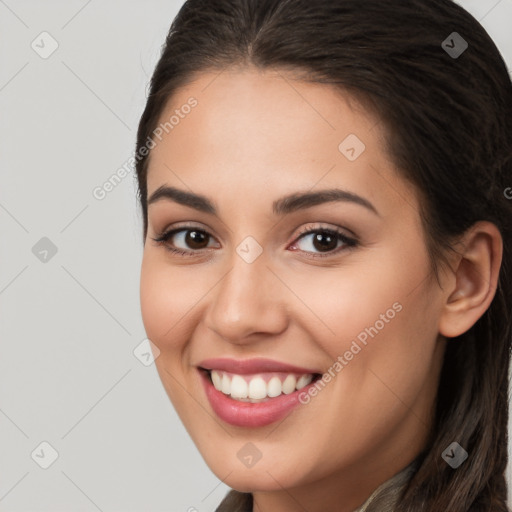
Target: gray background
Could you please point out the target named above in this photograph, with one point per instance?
(69, 325)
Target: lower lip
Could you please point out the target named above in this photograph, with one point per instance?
(247, 414)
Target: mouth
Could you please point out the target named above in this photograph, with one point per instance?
(254, 400)
(259, 387)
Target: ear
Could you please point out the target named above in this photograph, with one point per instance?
(474, 279)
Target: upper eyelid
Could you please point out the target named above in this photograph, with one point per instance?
(175, 229)
(338, 230)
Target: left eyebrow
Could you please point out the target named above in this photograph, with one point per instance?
(283, 206)
(299, 201)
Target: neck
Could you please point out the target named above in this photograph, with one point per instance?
(342, 493)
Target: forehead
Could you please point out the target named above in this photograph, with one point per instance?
(267, 133)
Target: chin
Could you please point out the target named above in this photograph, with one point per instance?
(269, 476)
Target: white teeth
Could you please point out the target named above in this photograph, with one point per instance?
(217, 380)
(289, 384)
(239, 387)
(255, 388)
(226, 384)
(275, 388)
(304, 380)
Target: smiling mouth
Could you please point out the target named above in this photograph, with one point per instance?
(258, 387)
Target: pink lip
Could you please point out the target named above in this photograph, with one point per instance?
(247, 414)
(249, 366)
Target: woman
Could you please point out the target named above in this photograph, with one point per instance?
(327, 256)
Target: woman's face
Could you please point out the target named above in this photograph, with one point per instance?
(253, 285)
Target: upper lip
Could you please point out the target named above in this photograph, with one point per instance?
(248, 366)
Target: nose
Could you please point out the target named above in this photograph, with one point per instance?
(248, 301)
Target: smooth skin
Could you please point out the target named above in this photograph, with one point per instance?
(254, 137)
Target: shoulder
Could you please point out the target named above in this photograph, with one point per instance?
(236, 501)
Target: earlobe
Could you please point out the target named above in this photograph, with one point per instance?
(476, 277)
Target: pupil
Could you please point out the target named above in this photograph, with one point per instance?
(328, 239)
(194, 237)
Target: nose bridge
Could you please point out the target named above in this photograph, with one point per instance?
(247, 299)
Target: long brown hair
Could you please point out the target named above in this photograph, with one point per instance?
(448, 123)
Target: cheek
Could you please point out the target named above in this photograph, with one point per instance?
(155, 294)
(382, 322)
(380, 317)
(359, 298)
(166, 295)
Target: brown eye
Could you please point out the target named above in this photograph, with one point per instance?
(324, 241)
(195, 239)
(184, 241)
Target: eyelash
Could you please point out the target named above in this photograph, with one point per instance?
(350, 243)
